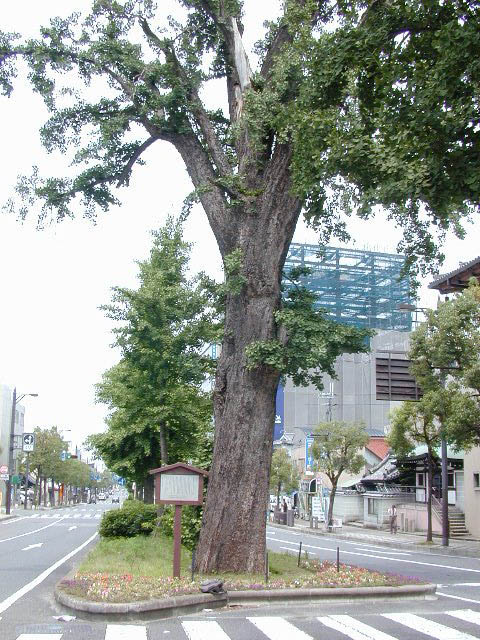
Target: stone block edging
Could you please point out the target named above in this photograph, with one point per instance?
(167, 607)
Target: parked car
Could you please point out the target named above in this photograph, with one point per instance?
(115, 499)
(92, 500)
(101, 496)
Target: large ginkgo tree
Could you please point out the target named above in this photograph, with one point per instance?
(350, 105)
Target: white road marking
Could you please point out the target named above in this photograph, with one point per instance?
(28, 533)
(33, 546)
(72, 528)
(354, 629)
(40, 636)
(428, 627)
(466, 614)
(87, 515)
(40, 578)
(14, 520)
(204, 630)
(310, 553)
(447, 595)
(371, 555)
(278, 628)
(125, 632)
(461, 584)
(395, 553)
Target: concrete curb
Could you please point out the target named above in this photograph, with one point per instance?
(444, 551)
(181, 605)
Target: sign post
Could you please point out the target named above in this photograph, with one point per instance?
(178, 484)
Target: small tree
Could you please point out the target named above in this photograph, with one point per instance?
(337, 447)
(444, 356)
(284, 475)
(414, 423)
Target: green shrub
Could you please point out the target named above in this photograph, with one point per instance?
(133, 519)
(191, 523)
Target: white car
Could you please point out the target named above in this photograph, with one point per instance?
(101, 496)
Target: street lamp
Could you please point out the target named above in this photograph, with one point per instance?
(405, 307)
(15, 401)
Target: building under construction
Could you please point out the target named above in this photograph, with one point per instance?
(358, 287)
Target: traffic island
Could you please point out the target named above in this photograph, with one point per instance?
(128, 578)
(183, 605)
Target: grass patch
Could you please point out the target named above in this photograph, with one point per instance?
(132, 569)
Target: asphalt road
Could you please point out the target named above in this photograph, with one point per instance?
(458, 576)
(28, 573)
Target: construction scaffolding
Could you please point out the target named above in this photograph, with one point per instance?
(356, 287)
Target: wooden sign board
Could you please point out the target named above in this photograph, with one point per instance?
(178, 484)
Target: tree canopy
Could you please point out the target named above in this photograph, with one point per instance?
(444, 355)
(284, 474)
(337, 448)
(158, 410)
(380, 100)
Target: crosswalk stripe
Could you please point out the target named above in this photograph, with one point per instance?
(97, 515)
(40, 636)
(468, 615)
(278, 628)
(353, 629)
(204, 630)
(428, 627)
(125, 632)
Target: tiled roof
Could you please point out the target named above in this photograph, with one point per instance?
(467, 266)
(378, 446)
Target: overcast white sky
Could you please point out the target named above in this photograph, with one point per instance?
(54, 340)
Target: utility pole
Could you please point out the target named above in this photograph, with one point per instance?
(8, 502)
(27, 471)
(445, 524)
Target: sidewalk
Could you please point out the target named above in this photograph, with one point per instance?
(410, 541)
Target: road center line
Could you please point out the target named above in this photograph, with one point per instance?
(29, 533)
(40, 578)
(371, 555)
(395, 553)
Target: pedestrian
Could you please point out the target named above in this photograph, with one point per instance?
(284, 506)
(392, 512)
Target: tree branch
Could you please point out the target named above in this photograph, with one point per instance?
(125, 175)
(196, 106)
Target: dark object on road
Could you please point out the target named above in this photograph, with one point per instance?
(117, 499)
(212, 586)
(92, 501)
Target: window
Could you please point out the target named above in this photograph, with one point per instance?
(476, 480)
(451, 481)
(372, 507)
(420, 479)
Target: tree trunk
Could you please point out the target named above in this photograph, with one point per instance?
(148, 489)
(429, 495)
(163, 445)
(232, 537)
(44, 491)
(330, 504)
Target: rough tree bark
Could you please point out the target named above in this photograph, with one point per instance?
(244, 399)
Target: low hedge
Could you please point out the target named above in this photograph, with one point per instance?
(133, 519)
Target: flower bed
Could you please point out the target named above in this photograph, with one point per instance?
(101, 587)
